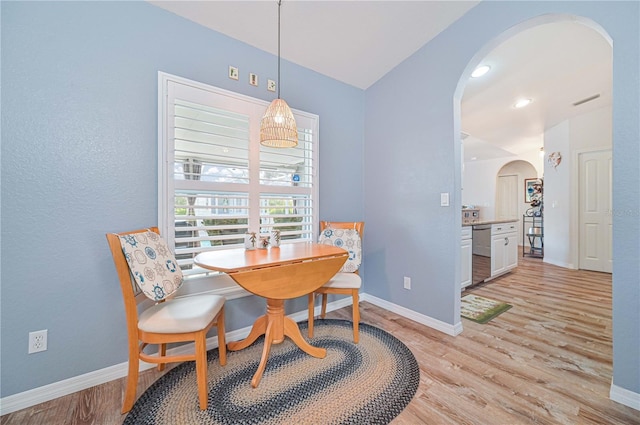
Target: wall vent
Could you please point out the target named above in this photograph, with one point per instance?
(588, 99)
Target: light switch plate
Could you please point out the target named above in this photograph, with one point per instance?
(444, 199)
(253, 79)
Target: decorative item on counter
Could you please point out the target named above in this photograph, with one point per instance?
(554, 159)
(470, 215)
(250, 240)
(263, 242)
(275, 238)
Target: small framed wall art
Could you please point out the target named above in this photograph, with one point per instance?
(233, 73)
(532, 189)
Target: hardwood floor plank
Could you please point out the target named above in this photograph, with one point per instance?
(547, 360)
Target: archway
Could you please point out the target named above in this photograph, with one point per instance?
(560, 135)
(569, 215)
(511, 197)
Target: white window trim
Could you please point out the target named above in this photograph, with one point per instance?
(216, 284)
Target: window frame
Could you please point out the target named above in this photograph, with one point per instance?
(213, 282)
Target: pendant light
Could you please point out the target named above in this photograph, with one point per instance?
(278, 127)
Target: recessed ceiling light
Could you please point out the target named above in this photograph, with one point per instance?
(480, 71)
(522, 103)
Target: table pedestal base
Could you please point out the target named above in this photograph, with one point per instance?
(275, 326)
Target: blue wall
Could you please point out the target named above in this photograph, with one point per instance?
(79, 133)
(79, 159)
(412, 119)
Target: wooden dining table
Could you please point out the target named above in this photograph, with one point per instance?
(276, 274)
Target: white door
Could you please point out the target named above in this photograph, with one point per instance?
(595, 211)
(507, 197)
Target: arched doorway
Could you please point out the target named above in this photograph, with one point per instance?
(560, 118)
(511, 196)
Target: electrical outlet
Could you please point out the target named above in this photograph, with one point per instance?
(37, 341)
(407, 282)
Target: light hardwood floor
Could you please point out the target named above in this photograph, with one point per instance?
(547, 360)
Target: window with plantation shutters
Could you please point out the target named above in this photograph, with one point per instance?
(216, 182)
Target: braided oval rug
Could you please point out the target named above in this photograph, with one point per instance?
(366, 383)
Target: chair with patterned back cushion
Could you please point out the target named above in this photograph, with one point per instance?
(347, 281)
(155, 315)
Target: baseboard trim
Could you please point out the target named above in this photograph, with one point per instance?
(559, 263)
(65, 387)
(49, 392)
(624, 396)
(438, 325)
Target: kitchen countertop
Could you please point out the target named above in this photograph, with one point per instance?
(508, 220)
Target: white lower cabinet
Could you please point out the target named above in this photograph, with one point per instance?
(504, 248)
(465, 257)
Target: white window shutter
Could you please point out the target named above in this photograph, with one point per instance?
(217, 182)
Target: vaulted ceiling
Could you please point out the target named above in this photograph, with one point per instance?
(358, 42)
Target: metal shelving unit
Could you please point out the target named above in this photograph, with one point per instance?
(533, 231)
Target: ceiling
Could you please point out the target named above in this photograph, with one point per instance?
(357, 42)
(555, 65)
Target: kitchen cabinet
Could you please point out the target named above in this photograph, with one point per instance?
(465, 257)
(504, 248)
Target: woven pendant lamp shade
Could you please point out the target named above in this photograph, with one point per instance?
(278, 127)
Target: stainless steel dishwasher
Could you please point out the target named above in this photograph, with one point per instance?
(481, 250)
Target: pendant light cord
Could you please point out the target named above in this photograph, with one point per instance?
(279, 4)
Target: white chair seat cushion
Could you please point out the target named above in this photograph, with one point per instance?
(344, 281)
(185, 314)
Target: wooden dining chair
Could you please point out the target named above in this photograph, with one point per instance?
(143, 255)
(347, 281)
